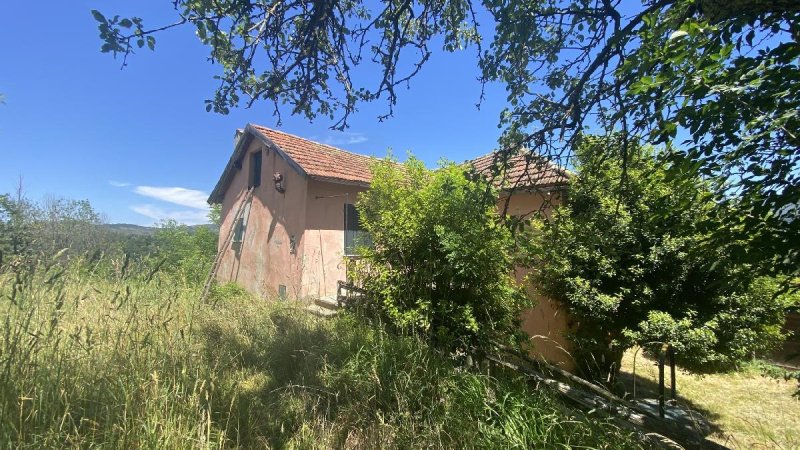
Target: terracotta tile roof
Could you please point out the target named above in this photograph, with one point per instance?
(321, 161)
(524, 170)
(327, 163)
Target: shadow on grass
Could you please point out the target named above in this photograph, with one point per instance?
(290, 380)
(703, 421)
(273, 370)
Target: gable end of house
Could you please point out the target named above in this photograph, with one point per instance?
(245, 138)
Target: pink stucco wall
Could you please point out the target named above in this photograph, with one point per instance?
(309, 212)
(547, 322)
(324, 238)
(264, 260)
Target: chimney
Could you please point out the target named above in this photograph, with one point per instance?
(239, 133)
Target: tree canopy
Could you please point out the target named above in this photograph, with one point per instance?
(716, 83)
(639, 269)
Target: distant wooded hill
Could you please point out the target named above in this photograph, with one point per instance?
(140, 230)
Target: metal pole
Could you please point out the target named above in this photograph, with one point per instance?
(661, 355)
(672, 370)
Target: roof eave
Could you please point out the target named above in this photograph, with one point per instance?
(218, 193)
(552, 187)
(332, 180)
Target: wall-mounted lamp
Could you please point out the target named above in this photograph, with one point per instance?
(278, 179)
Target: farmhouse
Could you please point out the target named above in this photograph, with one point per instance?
(288, 206)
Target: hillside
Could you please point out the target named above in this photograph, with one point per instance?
(140, 230)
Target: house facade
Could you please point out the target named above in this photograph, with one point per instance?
(291, 238)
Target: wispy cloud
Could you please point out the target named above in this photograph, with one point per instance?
(118, 184)
(190, 198)
(177, 195)
(185, 216)
(344, 138)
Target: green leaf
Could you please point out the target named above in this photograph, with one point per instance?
(98, 16)
(201, 30)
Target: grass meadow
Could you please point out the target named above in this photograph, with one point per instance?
(746, 410)
(106, 355)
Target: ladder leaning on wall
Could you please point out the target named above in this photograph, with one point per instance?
(222, 248)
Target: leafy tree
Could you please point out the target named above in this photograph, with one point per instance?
(16, 238)
(717, 82)
(440, 262)
(187, 251)
(639, 268)
(215, 214)
(67, 223)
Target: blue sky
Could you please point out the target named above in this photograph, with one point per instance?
(138, 142)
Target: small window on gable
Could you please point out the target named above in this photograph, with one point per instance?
(354, 234)
(255, 170)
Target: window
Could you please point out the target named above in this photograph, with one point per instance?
(238, 233)
(255, 170)
(354, 235)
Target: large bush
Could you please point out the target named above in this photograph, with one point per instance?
(441, 262)
(630, 258)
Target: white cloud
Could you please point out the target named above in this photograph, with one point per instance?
(190, 198)
(118, 184)
(177, 195)
(345, 138)
(184, 216)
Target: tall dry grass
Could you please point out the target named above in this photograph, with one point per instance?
(88, 359)
(105, 355)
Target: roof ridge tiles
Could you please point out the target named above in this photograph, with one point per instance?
(312, 141)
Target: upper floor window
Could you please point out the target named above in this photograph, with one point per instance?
(255, 170)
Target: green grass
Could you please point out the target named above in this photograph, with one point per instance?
(131, 361)
(746, 409)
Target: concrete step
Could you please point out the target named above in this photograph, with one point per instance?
(320, 311)
(327, 301)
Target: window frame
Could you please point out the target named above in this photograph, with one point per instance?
(238, 231)
(354, 233)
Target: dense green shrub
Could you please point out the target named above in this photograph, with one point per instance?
(637, 267)
(441, 262)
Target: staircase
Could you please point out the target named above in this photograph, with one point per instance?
(327, 305)
(212, 274)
